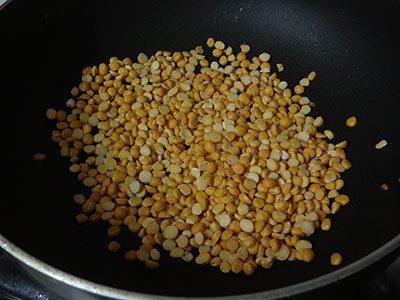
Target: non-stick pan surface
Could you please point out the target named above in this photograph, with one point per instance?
(353, 46)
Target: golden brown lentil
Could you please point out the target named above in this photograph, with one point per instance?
(384, 187)
(336, 259)
(39, 157)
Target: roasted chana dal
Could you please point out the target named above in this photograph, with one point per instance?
(213, 161)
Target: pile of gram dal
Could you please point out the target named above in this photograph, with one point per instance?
(215, 162)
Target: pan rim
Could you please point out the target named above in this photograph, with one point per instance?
(115, 293)
(120, 294)
(5, 3)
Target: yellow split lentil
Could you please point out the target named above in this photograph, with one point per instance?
(189, 153)
(336, 259)
(351, 121)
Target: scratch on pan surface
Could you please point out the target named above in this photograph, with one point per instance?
(241, 10)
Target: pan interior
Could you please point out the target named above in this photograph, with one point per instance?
(45, 44)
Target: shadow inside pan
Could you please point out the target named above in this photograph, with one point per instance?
(45, 45)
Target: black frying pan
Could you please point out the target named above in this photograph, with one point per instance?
(354, 48)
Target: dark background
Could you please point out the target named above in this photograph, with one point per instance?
(352, 45)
